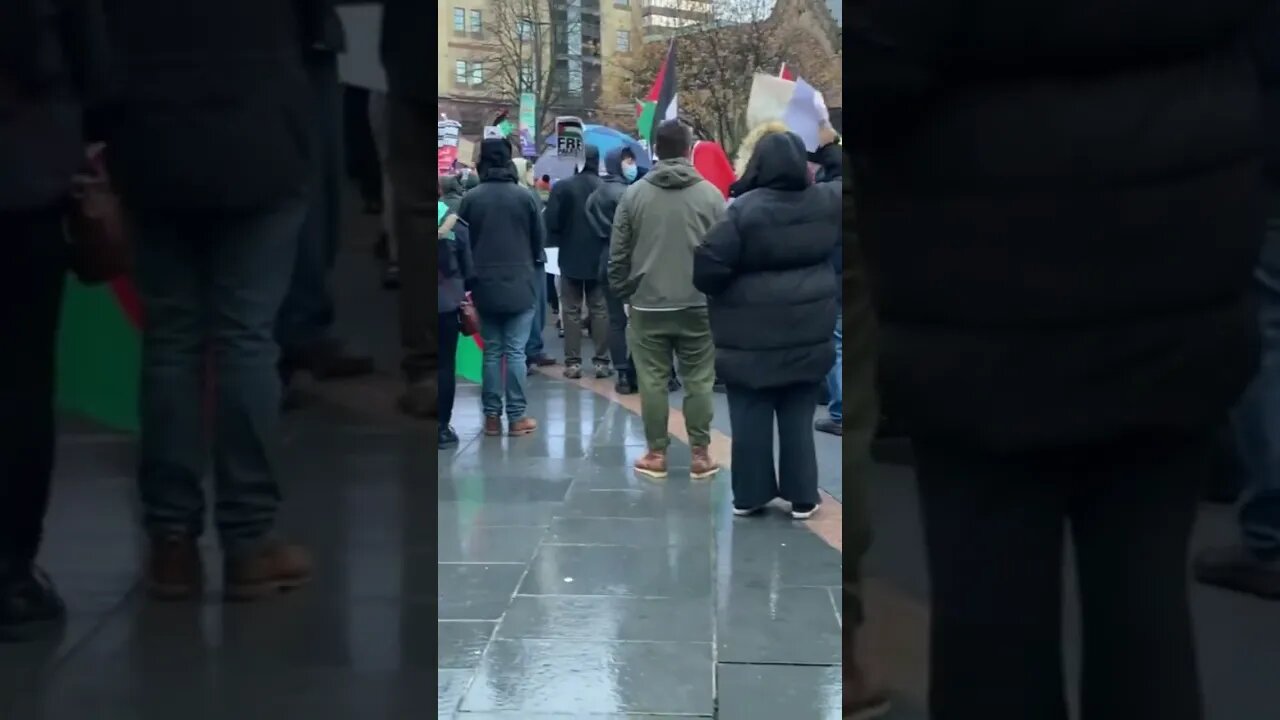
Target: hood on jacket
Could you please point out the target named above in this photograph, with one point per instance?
(613, 165)
(675, 174)
(592, 164)
(748, 146)
(779, 162)
(495, 164)
(450, 185)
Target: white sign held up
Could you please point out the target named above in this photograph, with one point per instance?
(570, 140)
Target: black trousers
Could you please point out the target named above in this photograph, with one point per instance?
(994, 534)
(450, 327)
(362, 161)
(618, 352)
(751, 415)
(553, 293)
(30, 304)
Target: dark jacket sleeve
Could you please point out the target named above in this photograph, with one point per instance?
(899, 47)
(552, 215)
(466, 263)
(538, 232)
(716, 260)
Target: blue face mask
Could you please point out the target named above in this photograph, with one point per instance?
(629, 172)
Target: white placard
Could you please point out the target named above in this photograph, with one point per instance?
(361, 64)
(491, 132)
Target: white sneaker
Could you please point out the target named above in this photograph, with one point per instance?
(803, 512)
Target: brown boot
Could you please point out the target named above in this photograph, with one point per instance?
(274, 568)
(653, 464)
(703, 466)
(863, 699)
(492, 425)
(523, 426)
(174, 571)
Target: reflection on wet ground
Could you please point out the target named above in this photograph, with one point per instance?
(570, 587)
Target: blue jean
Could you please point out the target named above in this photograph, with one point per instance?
(211, 285)
(505, 337)
(307, 315)
(537, 345)
(835, 378)
(1257, 419)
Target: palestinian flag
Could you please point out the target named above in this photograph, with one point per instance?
(100, 353)
(661, 103)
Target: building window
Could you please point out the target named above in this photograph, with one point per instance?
(459, 20)
(477, 23)
(477, 73)
(624, 41)
(525, 30)
(460, 72)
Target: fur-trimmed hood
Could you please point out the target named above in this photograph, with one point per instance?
(748, 145)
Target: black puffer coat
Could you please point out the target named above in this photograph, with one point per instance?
(1061, 204)
(567, 225)
(766, 270)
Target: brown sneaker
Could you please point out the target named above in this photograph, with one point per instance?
(492, 425)
(175, 571)
(653, 464)
(863, 700)
(523, 426)
(702, 466)
(274, 568)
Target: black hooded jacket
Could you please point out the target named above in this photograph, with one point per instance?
(604, 202)
(766, 270)
(507, 237)
(1061, 204)
(567, 225)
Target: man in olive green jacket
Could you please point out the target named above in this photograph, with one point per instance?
(659, 223)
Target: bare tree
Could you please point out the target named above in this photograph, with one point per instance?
(715, 62)
(525, 40)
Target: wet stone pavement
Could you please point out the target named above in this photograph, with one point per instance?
(565, 586)
(571, 588)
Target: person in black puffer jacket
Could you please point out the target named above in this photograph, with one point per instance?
(51, 59)
(771, 292)
(1061, 205)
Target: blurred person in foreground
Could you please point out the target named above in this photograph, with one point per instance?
(1062, 214)
(507, 240)
(767, 264)
(211, 149)
(656, 228)
(1252, 564)
(412, 168)
(51, 67)
(305, 326)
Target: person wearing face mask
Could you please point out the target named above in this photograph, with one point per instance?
(620, 171)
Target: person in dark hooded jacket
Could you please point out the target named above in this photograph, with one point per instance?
(1062, 212)
(51, 56)
(507, 241)
(600, 209)
(451, 189)
(581, 251)
(771, 292)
